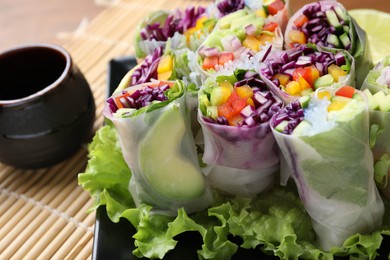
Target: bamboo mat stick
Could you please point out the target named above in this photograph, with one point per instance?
(39, 190)
(29, 210)
(5, 172)
(41, 218)
(53, 246)
(21, 184)
(82, 249)
(26, 226)
(51, 226)
(73, 240)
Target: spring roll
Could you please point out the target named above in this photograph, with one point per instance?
(186, 28)
(376, 86)
(239, 148)
(237, 37)
(327, 23)
(276, 11)
(324, 140)
(300, 71)
(157, 144)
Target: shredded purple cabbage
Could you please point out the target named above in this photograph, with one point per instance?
(292, 113)
(226, 7)
(139, 98)
(178, 21)
(148, 68)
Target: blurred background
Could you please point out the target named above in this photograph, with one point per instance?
(23, 21)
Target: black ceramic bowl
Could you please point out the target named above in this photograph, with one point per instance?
(46, 106)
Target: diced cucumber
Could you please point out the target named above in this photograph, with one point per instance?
(357, 97)
(304, 101)
(281, 126)
(372, 102)
(333, 39)
(217, 96)
(301, 128)
(333, 20)
(306, 92)
(341, 14)
(346, 28)
(323, 81)
(340, 98)
(212, 111)
(367, 93)
(345, 41)
(384, 103)
(204, 102)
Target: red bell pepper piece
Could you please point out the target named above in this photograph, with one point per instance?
(225, 57)
(301, 20)
(346, 91)
(232, 108)
(275, 7)
(271, 26)
(210, 62)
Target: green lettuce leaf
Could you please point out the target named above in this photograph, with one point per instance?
(274, 223)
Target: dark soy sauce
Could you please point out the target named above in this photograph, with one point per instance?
(25, 72)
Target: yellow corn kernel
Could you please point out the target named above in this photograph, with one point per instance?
(252, 43)
(336, 72)
(165, 64)
(324, 94)
(336, 105)
(244, 91)
(293, 88)
(261, 13)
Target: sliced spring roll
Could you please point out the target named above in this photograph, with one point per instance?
(327, 23)
(235, 40)
(378, 79)
(239, 147)
(325, 144)
(300, 71)
(275, 10)
(377, 89)
(185, 28)
(157, 144)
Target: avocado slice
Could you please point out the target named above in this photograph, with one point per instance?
(167, 171)
(226, 21)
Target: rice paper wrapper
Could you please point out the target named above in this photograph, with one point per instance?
(378, 79)
(333, 171)
(160, 170)
(275, 57)
(359, 50)
(241, 160)
(380, 143)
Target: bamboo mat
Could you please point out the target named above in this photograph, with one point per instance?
(43, 212)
